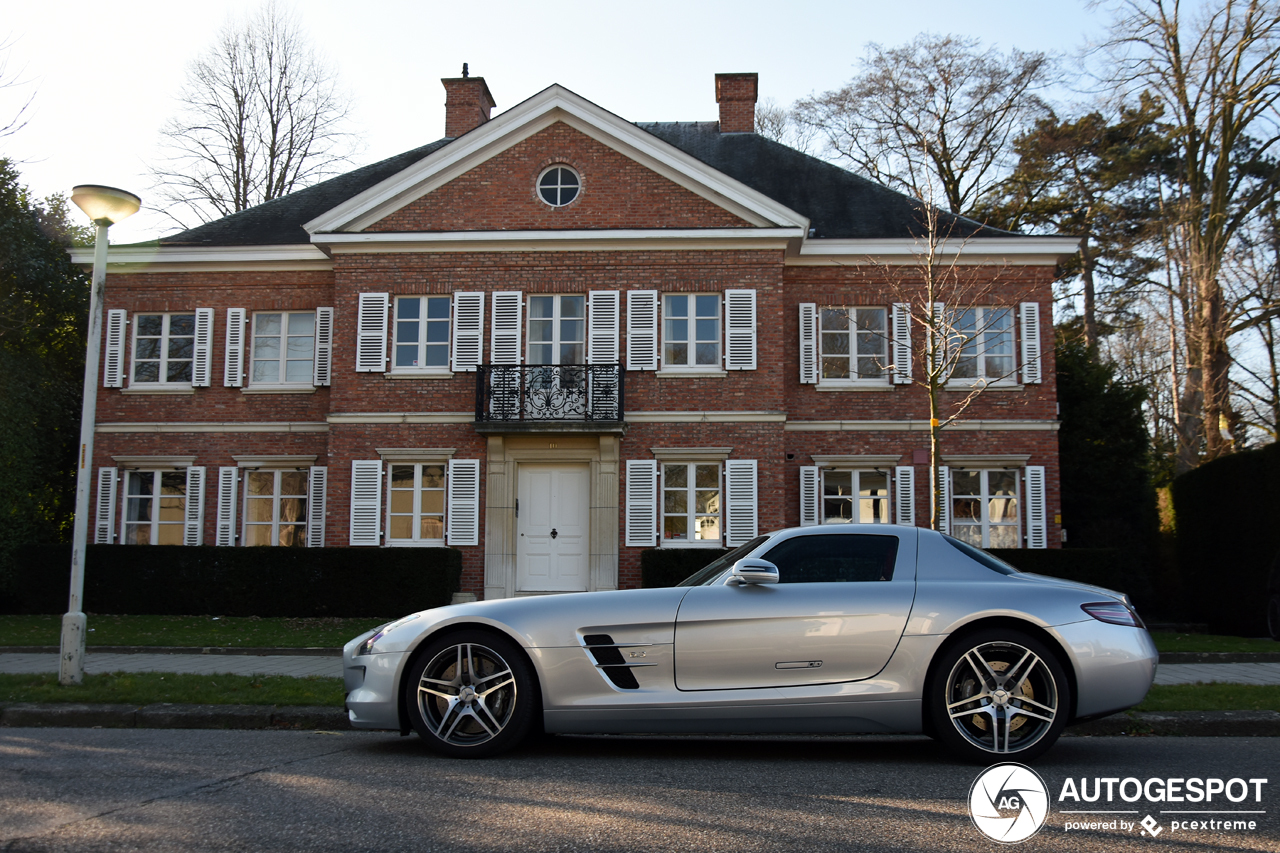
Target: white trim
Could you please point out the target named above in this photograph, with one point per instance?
(854, 460)
(155, 463)
(994, 460)
(1022, 250)
(280, 389)
(915, 426)
(845, 385)
(403, 418)
(416, 454)
(677, 372)
(551, 105)
(275, 461)
(225, 426)
(602, 240)
(419, 373)
(169, 388)
(690, 454)
(209, 258)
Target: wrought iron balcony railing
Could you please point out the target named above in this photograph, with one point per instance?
(546, 392)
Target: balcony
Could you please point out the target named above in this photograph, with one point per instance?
(549, 398)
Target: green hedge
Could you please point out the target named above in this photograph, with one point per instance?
(171, 580)
(668, 566)
(1228, 521)
(1113, 568)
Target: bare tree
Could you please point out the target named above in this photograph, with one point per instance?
(776, 122)
(261, 116)
(934, 118)
(1217, 71)
(9, 80)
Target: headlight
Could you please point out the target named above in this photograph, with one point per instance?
(1113, 612)
(366, 648)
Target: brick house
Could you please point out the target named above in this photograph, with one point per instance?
(556, 338)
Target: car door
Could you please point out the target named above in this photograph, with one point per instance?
(837, 613)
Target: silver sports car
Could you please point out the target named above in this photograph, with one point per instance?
(850, 628)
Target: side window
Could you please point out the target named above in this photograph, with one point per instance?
(834, 559)
(422, 333)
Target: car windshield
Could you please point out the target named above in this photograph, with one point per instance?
(708, 573)
(978, 555)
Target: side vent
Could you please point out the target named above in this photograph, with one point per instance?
(609, 659)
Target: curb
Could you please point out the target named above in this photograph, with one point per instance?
(1219, 657)
(172, 716)
(1183, 724)
(257, 651)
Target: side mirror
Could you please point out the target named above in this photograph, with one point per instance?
(751, 570)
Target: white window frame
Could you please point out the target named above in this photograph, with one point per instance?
(276, 496)
(716, 365)
(155, 496)
(884, 357)
(980, 343)
(165, 338)
(557, 322)
(855, 497)
(423, 323)
(416, 514)
(984, 522)
(560, 186)
(691, 514)
(282, 358)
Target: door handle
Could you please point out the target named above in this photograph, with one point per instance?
(553, 533)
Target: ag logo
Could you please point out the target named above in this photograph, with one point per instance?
(1008, 803)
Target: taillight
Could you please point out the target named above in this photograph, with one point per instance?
(1113, 612)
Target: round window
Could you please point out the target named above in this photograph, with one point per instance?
(558, 186)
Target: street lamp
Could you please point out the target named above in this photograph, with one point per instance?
(106, 206)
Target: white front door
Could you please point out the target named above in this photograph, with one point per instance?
(552, 552)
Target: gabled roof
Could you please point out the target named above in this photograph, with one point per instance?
(764, 175)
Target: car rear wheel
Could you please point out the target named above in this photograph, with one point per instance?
(1273, 616)
(998, 694)
(470, 694)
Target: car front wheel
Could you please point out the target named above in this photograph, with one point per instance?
(998, 694)
(470, 694)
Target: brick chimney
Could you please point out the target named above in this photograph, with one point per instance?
(736, 95)
(467, 102)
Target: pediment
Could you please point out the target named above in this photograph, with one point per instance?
(484, 181)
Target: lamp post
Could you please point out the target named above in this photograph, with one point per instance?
(105, 206)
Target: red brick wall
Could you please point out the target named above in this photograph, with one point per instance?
(500, 195)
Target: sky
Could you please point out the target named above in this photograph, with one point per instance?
(105, 76)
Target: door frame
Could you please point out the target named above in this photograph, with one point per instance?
(505, 453)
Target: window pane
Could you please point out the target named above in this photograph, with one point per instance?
(407, 356)
(542, 307)
(267, 324)
(707, 306)
(147, 371)
(437, 332)
(401, 501)
(1002, 482)
(433, 476)
(180, 347)
(871, 319)
(147, 348)
(834, 319)
(706, 501)
(292, 509)
(182, 324)
(150, 324)
(675, 475)
(138, 509)
(835, 343)
(966, 482)
(873, 483)
(677, 306)
(437, 355)
(293, 483)
(261, 482)
(433, 502)
(301, 346)
(837, 483)
(432, 528)
(137, 534)
(179, 371)
(299, 371)
(401, 527)
(1002, 510)
(970, 533)
(292, 536)
(677, 330)
(259, 509)
(675, 500)
(873, 510)
(169, 534)
(676, 353)
(258, 534)
(409, 307)
(266, 371)
(266, 347)
(675, 527)
(1004, 537)
(302, 323)
(837, 510)
(708, 528)
(966, 509)
(709, 353)
(438, 308)
(835, 367)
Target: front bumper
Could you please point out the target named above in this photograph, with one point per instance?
(370, 682)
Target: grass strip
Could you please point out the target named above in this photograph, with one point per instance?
(146, 688)
(195, 631)
(1212, 697)
(1168, 641)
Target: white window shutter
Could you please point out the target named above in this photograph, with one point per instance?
(371, 332)
(202, 349)
(742, 512)
(904, 495)
(323, 369)
(193, 523)
(366, 501)
(810, 500)
(642, 330)
(463, 521)
(740, 330)
(940, 341)
(944, 487)
(103, 521)
(317, 482)
(468, 331)
(1037, 520)
(233, 356)
(113, 356)
(504, 341)
(602, 326)
(808, 343)
(1030, 314)
(902, 343)
(642, 503)
(228, 479)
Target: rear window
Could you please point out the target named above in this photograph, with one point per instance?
(978, 555)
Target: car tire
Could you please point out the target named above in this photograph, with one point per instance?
(1273, 616)
(998, 694)
(471, 694)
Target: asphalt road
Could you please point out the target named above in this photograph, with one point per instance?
(161, 790)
